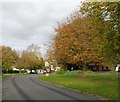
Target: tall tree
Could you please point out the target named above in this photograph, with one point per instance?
(106, 21)
(31, 58)
(28, 60)
(9, 58)
(74, 42)
(35, 49)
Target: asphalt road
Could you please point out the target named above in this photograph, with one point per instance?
(28, 87)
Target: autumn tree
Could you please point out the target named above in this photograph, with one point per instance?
(34, 49)
(106, 20)
(50, 55)
(74, 42)
(30, 59)
(9, 58)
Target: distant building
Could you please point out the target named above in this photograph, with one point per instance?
(95, 67)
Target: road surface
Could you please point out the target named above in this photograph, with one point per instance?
(29, 87)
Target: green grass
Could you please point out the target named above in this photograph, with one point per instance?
(94, 83)
(4, 76)
(0, 76)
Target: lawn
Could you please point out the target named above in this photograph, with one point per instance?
(4, 76)
(94, 83)
(0, 76)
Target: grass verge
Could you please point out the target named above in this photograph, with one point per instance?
(4, 76)
(100, 84)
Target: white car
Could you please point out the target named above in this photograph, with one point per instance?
(42, 71)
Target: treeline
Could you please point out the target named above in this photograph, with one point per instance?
(28, 59)
(88, 36)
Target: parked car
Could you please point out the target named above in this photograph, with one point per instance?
(43, 71)
(33, 72)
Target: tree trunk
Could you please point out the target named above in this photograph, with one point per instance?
(83, 71)
(20, 71)
(113, 73)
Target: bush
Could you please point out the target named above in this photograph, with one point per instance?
(61, 71)
(72, 73)
(23, 71)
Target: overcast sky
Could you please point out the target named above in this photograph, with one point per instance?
(24, 23)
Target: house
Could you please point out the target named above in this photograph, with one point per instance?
(117, 69)
(92, 66)
(95, 67)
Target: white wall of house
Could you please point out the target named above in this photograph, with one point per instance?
(117, 68)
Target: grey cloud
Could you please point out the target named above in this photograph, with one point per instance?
(24, 23)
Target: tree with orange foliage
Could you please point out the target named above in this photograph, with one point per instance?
(9, 58)
(74, 42)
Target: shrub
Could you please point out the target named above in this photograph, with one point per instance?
(23, 71)
(61, 71)
(72, 73)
